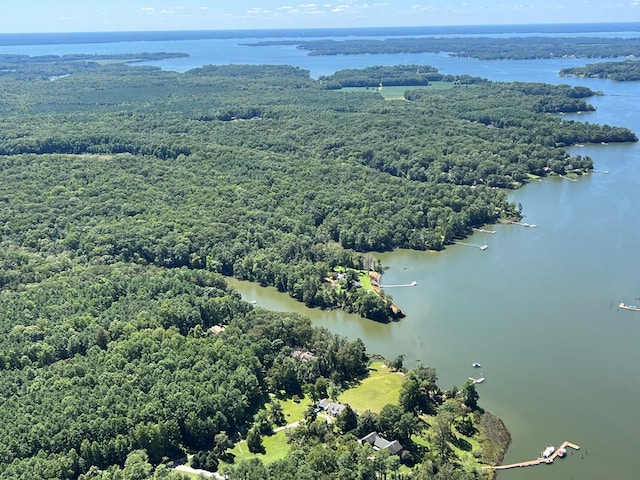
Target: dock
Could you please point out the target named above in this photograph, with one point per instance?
(481, 247)
(412, 284)
(632, 308)
(529, 225)
(538, 461)
(484, 231)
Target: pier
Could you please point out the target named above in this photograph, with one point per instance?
(481, 247)
(633, 308)
(538, 461)
(529, 225)
(412, 284)
(484, 231)
(568, 178)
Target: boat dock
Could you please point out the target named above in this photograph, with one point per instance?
(538, 461)
(412, 284)
(633, 308)
(481, 247)
(484, 231)
(530, 225)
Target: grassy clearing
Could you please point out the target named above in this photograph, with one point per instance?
(374, 392)
(397, 92)
(365, 280)
(275, 446)
(294, 411)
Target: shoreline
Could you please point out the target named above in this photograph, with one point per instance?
(375, 278)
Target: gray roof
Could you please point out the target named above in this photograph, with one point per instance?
(381, 443)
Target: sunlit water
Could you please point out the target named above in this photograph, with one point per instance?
(538, 307)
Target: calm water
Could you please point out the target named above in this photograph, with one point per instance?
(538, 308)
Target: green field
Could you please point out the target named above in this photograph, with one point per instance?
(275, 446)
(397, 92)
(380, 388)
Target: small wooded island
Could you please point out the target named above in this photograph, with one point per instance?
(128, 193)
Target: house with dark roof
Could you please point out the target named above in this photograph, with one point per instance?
(380, 443)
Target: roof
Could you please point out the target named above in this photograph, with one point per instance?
(216, 329)
(381, 443)
(332, 408)
(302, 356)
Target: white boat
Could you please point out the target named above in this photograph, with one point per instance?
(548, 451)
(476, 365)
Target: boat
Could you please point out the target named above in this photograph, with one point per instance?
(548, 451)
(562, 452)
(484, 247)
(476, 365)
(633, 308)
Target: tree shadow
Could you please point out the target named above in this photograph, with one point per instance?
(462, 444)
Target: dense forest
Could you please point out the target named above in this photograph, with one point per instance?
(263, 174)
(485, 48)
(626, 71)
(128, 192)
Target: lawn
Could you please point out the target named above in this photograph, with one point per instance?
(294, 411)
(374, 392)
(275, 446)
(397, 92)
(381, 387)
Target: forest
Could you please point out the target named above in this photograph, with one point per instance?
(261, 173)
(625, 71)
(128, 193)
(483, 48)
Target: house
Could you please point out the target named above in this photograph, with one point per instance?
(302, 356)
(216, 329)
(332, 408)
(380, 443)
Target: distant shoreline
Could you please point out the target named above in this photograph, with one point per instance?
(16, 39)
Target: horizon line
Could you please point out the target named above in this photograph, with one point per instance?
(359, 27)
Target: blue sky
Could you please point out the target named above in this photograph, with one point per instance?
(116, 15)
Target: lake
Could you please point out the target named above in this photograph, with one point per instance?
(538, 307)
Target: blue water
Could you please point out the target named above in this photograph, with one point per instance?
(620, 29)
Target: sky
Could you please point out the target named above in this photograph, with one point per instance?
(30, 16)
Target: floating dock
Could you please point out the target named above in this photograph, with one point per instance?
(633, 308)
(538, 461)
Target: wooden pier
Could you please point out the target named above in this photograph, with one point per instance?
(529, 225)
(633, 308)
(481, 247)
(538, 461)
(412, 284)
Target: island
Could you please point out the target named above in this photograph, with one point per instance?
(624, 71)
